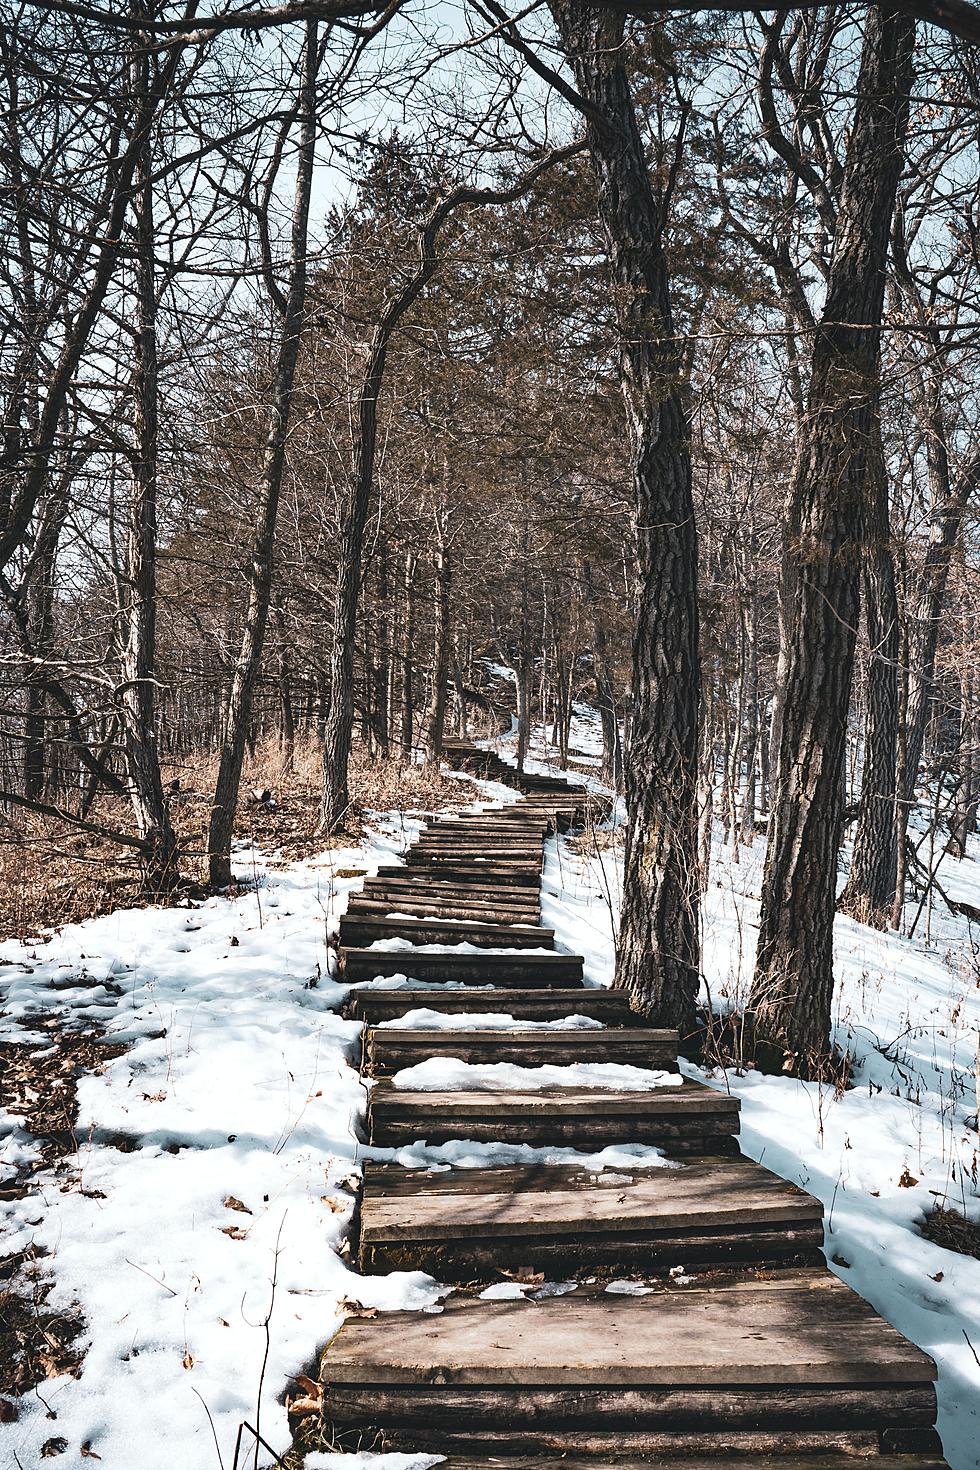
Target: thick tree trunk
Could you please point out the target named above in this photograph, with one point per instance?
(870, 890)
(137, 704)
(657, 957)
(793, 985)
(238, 711)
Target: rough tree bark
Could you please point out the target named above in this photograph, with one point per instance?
(870, 890)
(657, 955)
(793, 984)
(292, 308)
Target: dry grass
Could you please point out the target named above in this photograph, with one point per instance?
(948, 1228)
(52, 874)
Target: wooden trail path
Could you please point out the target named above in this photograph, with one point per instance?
(743, 1347)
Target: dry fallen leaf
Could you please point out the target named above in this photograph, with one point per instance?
(311, 1399)
(354, 1309)
(335, 1204)
(187, 1360)
(87, 1452)
(907, 1180)
(235, 1231)
(231, 1203)
(223, 1322)
(938, 1276)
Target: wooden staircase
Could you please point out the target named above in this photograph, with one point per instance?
(740, 1347)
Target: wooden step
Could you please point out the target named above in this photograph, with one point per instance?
(722, 1461)
(389, 1049)
(484, 874)
(420, 884)
(521, 971)
(688, 1119)
(476, 857)
(469, 1224)
(794, 1364)
(367, 906)
(609, 1007)
(498, 834)
(358, 932)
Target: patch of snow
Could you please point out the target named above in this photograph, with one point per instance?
(426, 1020)
(449, 1074)
(628, 1288)
(240, 1109)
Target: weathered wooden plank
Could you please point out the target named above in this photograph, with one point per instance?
(358, 932)
(491, 875)
(475, 883)
(682, 1119)
(578, 1201)
(610, 1007)
(662, 1447)
(647, 1253)
(806, 1328)
(689, 1099)
(527, 971)
(388, 1051)
(722, 1462)
(365, 906)
(866, 1405)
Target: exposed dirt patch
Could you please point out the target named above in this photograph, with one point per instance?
(36, 1343)
(40, 1084)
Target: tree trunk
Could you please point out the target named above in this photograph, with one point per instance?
(870, 890)
(793, 985)
(407, 666)
(964, 819)
(657, 953)
(612, 754)
(435, 729)
(137, 704)
(238, 711)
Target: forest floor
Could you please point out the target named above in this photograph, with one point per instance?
(51, 873)
(176, 1245)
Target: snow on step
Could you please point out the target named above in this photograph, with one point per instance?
(357, 931)
(526, 970)
(690, 1118)
(390, 1048)
(486, 874)
(606, 1006)
(469, 1223)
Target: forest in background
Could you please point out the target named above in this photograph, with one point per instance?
(348, 352)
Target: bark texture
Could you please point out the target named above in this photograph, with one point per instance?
(657, 956)
(793, 985)
(870, 890)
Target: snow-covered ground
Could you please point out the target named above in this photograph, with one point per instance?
(208, 1257)
(240, 1090)
(902, 1139)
